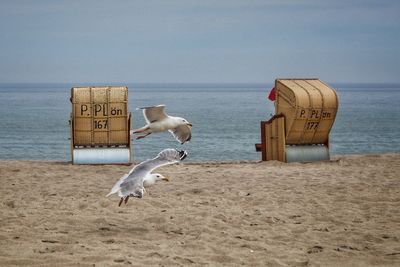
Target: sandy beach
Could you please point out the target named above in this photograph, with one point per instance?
(339, 213)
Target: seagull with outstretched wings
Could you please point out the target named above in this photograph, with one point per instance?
(158, 121)
(131, 184)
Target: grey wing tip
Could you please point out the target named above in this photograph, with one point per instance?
(186, 141)
(182, 154)
(139, 108)
(162, 105)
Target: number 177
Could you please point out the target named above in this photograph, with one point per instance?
(312, 125)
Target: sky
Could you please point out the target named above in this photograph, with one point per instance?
(202, 41)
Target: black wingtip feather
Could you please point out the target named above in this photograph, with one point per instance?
(182, 154)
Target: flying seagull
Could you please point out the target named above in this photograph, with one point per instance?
(158, 121)
(131, 184)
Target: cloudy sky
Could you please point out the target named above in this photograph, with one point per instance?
(203, 41)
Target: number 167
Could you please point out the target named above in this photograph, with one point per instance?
(100, 124)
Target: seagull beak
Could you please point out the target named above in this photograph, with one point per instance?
(166, 179)
(189, 124)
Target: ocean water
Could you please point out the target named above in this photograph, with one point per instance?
(226, 119)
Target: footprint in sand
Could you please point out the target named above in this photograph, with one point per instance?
(315, 249)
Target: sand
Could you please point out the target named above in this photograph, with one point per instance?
(345, 212)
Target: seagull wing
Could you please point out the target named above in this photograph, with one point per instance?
(166, 157)
(156, 113)
(182, 133)
(132, 183)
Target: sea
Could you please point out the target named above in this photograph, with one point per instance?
(225, 117)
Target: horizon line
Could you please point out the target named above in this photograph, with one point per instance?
(195, 84)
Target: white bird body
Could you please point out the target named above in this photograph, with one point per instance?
(132, 183)
(158, 121)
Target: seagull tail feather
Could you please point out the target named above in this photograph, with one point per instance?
(117, 186)
(114, 190)
(109, 194)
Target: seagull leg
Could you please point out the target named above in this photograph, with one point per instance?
(120, 202)
(143, 136)
(126, 199)
(140, 130)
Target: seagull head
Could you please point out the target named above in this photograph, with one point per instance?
(159, 177)
(183, 121)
